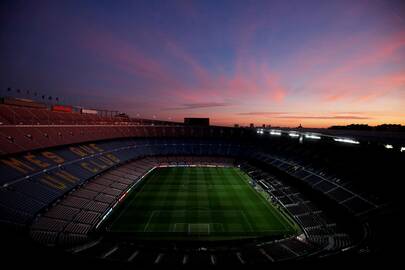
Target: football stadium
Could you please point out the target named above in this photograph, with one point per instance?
(158, 133)
(141, 191)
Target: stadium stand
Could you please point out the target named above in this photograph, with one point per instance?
(62, 172)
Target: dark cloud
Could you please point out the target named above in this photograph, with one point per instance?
(290, 115)
(346, 117)
(262, 113)
(200, 105)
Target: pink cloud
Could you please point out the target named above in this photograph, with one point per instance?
(200, 72)
(383, 51)
(120, 53)
(251, 79)
(383, 85)
(332, 71)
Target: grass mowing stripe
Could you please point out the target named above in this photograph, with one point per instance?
(236, 197)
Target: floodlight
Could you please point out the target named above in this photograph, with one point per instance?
(345, 140)
(312, 136)
(275, 132)
(292, 134)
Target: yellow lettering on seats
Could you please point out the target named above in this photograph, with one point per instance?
(87, 149)
(112, 157)
(53, 182)
(78, 151)
(100, 165)
(31, 158)
(67, 176)
(88, 167)
(54, 157)
(106, 160)
(95, 147)
(18, 165)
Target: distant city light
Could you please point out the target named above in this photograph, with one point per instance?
(344, 140)
(389, 146)
(402, 149)
(260, 131)
(275, 132)
(311, 136)
(292, 134)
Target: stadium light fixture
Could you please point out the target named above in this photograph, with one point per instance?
(344, 140)
(294, 135)
(312, 136)
(389, 146)
(275, 132)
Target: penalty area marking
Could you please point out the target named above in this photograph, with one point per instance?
(192, 228)
(199, 228)
(188, 227)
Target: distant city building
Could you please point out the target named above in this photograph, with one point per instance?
(251, 125)
(236, 125)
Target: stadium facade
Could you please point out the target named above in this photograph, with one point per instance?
(64, 173)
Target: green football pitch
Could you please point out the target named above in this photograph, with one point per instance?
(193, 203)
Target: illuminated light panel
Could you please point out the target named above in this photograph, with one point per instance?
(389, 146)
(346, 140)
(402, 149)
(275, 132)
(293, 134)
(311, 136)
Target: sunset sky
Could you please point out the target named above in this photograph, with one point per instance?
(318, 63)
